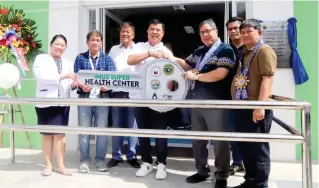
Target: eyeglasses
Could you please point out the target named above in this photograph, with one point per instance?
(208, 31)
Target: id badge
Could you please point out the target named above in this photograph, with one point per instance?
(192, 85)
(95, 92)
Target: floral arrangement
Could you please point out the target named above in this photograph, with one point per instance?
(17, 37)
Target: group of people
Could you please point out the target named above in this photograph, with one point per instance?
(241, 70)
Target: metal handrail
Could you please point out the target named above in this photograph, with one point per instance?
(222, 104)
(197, 135)
(304, 138)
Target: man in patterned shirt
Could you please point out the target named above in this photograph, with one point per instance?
(208, 69)
(93, 59)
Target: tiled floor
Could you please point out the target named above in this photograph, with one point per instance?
(29, 163)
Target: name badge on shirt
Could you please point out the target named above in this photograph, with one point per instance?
(95, 92)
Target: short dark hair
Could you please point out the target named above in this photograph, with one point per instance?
(250, 23)
(55, 37)
(129, 24)
(210, 22)
(234, 19)
(155, 22)
(94, 32)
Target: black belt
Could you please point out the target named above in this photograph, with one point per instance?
(101, 95)
(120, 94)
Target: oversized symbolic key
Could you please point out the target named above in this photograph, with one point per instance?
(160, 79)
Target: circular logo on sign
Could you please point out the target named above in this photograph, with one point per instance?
(155, 84)
(168, 69)
(156, 71)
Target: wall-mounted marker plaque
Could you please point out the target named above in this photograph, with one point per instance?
(275, 34)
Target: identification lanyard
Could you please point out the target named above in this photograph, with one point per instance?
(205, 58)
(96, 62)
(242, 79)
(95, 91)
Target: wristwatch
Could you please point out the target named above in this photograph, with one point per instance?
(196, 77)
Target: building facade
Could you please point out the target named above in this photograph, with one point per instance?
(73, 19)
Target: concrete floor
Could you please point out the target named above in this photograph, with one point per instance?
(29, 163)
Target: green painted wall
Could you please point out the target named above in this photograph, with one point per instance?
(306, 13)
(38, 11)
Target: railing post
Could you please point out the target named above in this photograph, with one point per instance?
(306, 148)
(11, 122)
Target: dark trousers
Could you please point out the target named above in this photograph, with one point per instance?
(147, 118)
(123, 117)
(236, 153)
(256, 155)
(211, 120)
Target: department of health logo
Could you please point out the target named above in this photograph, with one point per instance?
(156, 71)
(168, 69)
(155, 84)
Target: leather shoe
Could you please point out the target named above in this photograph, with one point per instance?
(134, 163)
(113, 163)
(196, 178)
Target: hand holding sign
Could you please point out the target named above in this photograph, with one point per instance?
(160, 79)
(74, 84)
(103, 88)
(158, 54)
(189, 75)
(86, 88)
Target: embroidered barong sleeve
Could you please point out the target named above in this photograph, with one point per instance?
(192, 60)
(267, 61)
(226, 59)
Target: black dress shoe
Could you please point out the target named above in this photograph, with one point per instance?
(134, 163)
(196, 178)
(113, 163)
(236, 168)
(221, 184)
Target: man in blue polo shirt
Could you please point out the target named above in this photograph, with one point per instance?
(93, 59)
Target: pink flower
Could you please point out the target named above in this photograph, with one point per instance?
(12, 38)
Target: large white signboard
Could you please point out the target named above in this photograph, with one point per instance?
(160, 79)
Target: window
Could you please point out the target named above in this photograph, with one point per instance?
(239, 8)
(92, 20)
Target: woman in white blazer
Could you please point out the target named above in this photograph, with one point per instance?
(54, 79)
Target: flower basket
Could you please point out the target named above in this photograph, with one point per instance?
(17, 38)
